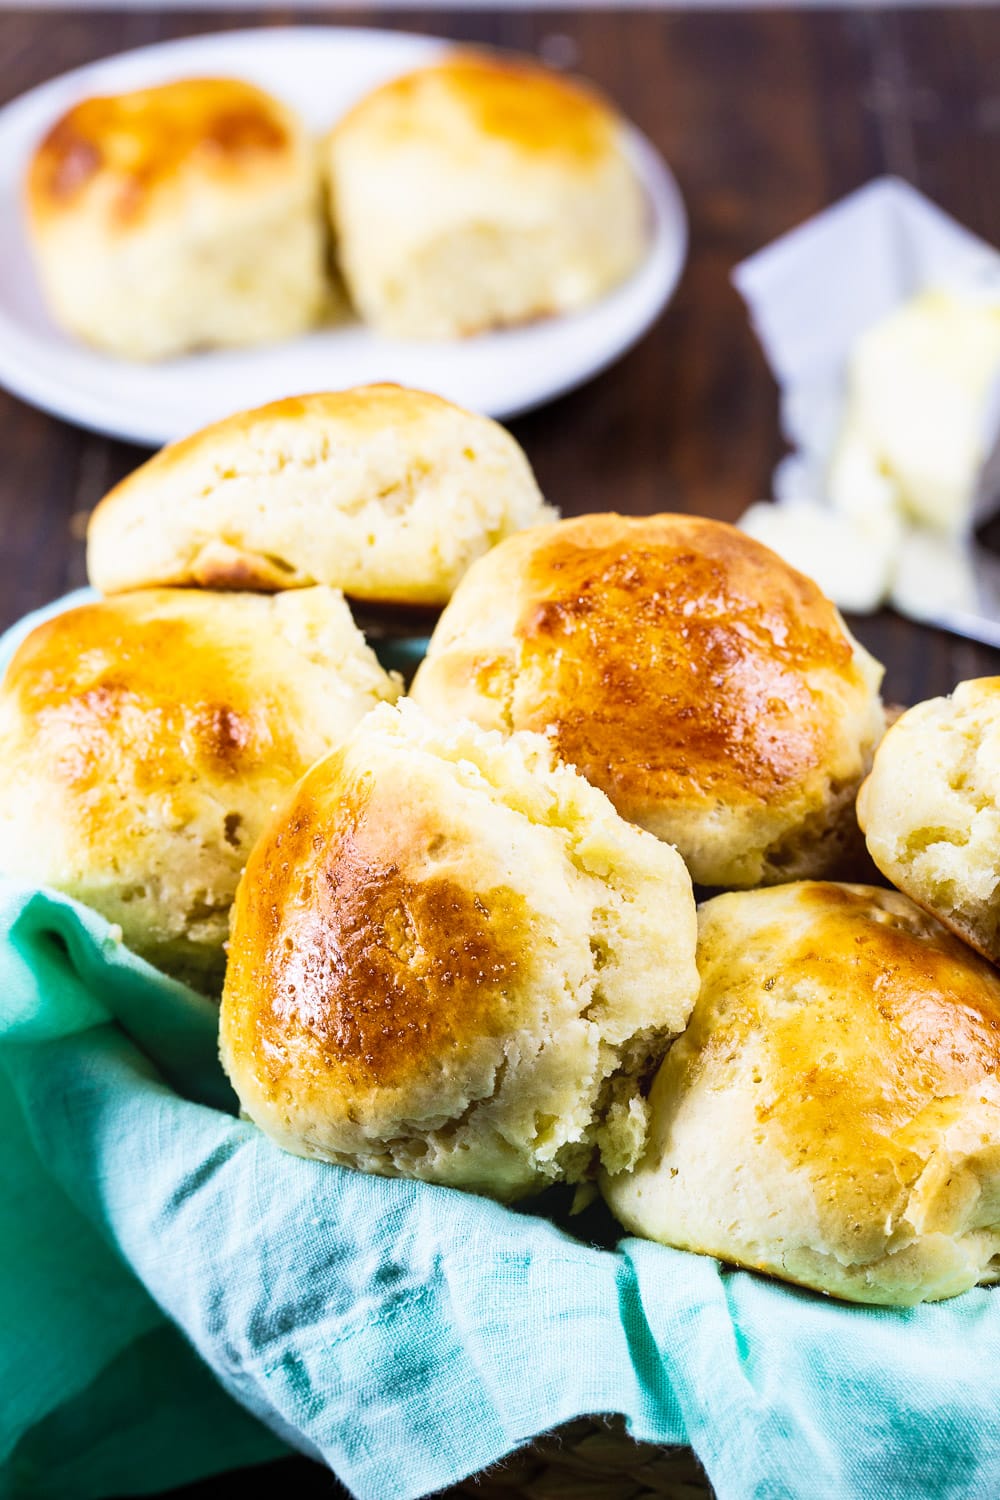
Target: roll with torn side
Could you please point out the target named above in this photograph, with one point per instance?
(480, 191)
(930, 810)
(386, 493)
(714, 693)
(452, 960)
(179, 217)
(831, 1115)
(145, 741)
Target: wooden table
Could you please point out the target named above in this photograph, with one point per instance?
(766, 118)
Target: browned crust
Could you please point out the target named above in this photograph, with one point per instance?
(141, 140)
(115, 675)
(351, 957)
(864, 1019)
(503, 98)
(677, 656)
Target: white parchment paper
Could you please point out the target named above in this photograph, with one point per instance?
(814, 291)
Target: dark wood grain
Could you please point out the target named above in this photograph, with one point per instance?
(766, 117)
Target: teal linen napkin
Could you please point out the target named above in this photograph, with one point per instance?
(407, 1335)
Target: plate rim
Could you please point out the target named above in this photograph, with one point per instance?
(64, 399)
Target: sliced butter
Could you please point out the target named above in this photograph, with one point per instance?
(852, 558)
(920, 415)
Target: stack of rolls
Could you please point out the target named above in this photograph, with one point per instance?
(147, 738)
(465, 946)
(423, 980)
(476, 192)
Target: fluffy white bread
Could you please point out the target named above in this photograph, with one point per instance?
(930, 810)
(481, 191)
(178, 217)
(386, 493)
(145, 741)
(713, 692)
(452, 960)
(832, 1113)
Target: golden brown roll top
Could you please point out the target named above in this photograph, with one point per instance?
(450, 959)
(128, 149)
(144, 742)
(930, 810)
(832, 1113)
(713, 692)
(470, 97)
(480, 191)
(384, 492)
(180, 216)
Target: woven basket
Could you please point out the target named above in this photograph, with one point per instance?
(591, 1459)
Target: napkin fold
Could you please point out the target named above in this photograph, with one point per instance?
(869, 530)
(813, 292)
(177, 1296)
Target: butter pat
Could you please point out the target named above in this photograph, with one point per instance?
(920, 416)
(933, 577)
(851, 557)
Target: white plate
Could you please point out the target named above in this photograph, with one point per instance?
(321, 71)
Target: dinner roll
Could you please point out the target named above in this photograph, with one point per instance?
(713, 692)
(145, 741)
(452, 960)
(386, 493)
(931, 810)
(832, 1113)
(178, 217)
(481, 191)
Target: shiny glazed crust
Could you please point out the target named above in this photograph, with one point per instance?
(450, 959)
(144, 742)
(832, 1113)
(131, 148)
(709, 689)
(507, 100)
